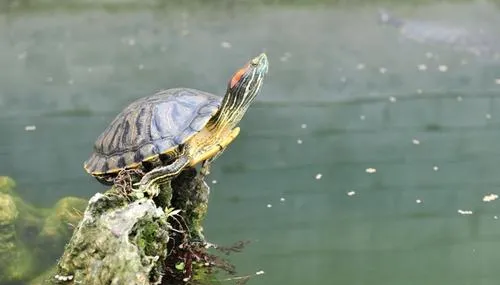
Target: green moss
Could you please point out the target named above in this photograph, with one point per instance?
(7, 185)
(65, 215)
(16, 261)
(125, 238)
(191, 196)
(45, 278)
(20, 264)
(146, 234)
(201, 275)
(9, 212)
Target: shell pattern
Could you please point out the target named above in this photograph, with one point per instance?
(151, 126)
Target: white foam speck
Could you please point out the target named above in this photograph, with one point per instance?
(30, 128)
(443, 68)
(490, 197)
(226, 45)
(465, 212)
(371, 170)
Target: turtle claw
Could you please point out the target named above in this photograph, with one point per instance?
(151, 181)
(205, 168)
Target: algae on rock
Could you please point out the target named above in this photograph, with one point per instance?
(7, 185)
(23, 253)
(116, 243)
(191, 196)
(16, 261)
(126, 238)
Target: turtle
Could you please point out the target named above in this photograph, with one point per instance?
(436, 33)
(172, 129)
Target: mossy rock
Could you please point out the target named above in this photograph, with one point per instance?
(57, 227)
(117, 242)
(45, 278)
(16, 261)
(7, 185)
(9, 212)
(63, 218)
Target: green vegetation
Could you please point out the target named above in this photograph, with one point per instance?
(29, 236)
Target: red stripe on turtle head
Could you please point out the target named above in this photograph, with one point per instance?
(237, 76)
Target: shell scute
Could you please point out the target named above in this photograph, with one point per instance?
(151, 126)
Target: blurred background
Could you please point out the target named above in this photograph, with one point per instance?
(371, 155)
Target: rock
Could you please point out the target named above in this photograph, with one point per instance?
(63, 218)
(16, 261)
(126, 237)
(7, 185)
(191, 195)
(117, 242)
(9, 212)
(59, 225)
(31, 238)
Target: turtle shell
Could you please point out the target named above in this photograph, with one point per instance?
(151, 126)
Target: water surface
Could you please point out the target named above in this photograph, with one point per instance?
(352, 165)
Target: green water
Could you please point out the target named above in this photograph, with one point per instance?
(343, 96)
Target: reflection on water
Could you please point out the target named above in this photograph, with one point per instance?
(364, 161)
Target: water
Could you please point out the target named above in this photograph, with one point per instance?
(356, 165)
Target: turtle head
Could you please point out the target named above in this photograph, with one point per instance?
(242, 89)
(247, 81)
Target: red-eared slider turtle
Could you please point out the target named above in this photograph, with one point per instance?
(175, 128)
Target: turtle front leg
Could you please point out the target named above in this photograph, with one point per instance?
(214, 152)
(205, 165)
(150, 181)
